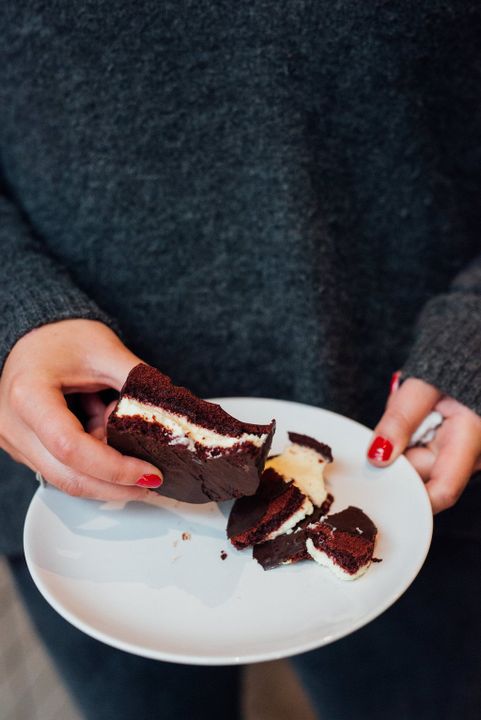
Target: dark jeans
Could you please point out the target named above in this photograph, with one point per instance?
(421, 659)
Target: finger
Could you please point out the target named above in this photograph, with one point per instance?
(78, 484)
(63, 436)
(422, 459)
(36, 457)
(457, 447)
(451, 473)
(405, 410)
(112, 363)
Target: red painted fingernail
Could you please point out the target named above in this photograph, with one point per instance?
(149, 481)
(395, 381)
(380, 449)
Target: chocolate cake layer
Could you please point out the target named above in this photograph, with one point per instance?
(253, 519)
(343, 541)
(290, 547)
(203, 452)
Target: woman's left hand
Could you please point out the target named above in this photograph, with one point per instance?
(448, 461)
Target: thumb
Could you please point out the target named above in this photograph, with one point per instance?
(113, 361)
(121, 363)
(405, 410)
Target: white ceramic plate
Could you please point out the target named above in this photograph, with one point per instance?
(125, 576)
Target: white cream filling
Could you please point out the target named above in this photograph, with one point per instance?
(183, 430)
(288, 525)
(305, 467)
(320, 557)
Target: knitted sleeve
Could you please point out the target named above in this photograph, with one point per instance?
(34, 287)
(447, 348)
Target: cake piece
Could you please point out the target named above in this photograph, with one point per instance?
(275, 509)
(203, 452)
(291, 547)
(304, 461)
(291, 486)
(343, 542)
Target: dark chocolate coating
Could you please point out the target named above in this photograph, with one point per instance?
(186, 476)
(253, 519)
(247, 512)
(283, 549)
(349, 520)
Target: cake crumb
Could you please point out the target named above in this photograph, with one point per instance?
(223, 554)
(186, 536)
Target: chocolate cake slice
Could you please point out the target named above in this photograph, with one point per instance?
(275, 509)
(343, 542)
(203, 452)
(291, 547)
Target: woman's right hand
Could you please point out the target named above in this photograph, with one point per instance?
(37, 427)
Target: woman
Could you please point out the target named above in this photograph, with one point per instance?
(262, 199)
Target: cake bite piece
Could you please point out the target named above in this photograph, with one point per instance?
(292, 485)
(304, 462)
(290, 547)
(276, 508)
(203, 452)
(343, 542)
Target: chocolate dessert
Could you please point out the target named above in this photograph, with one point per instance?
(276, 508)
(344, 542)
(291, 547)
(291, 486)
(286, 520)
(203, 452)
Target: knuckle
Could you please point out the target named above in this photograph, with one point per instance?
(63, 447)
(448, 498)
(117, 475)
(397, 417)
(72, 487)
(19, 392)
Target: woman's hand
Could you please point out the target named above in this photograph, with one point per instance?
(447, 462)
(38, 429)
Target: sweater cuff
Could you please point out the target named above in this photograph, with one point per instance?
(447, 349)
(45, 303)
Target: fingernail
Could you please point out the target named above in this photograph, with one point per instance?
(395, 382)
(149, 481)
(380, 449)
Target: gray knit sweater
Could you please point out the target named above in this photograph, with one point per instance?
(266, 198)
